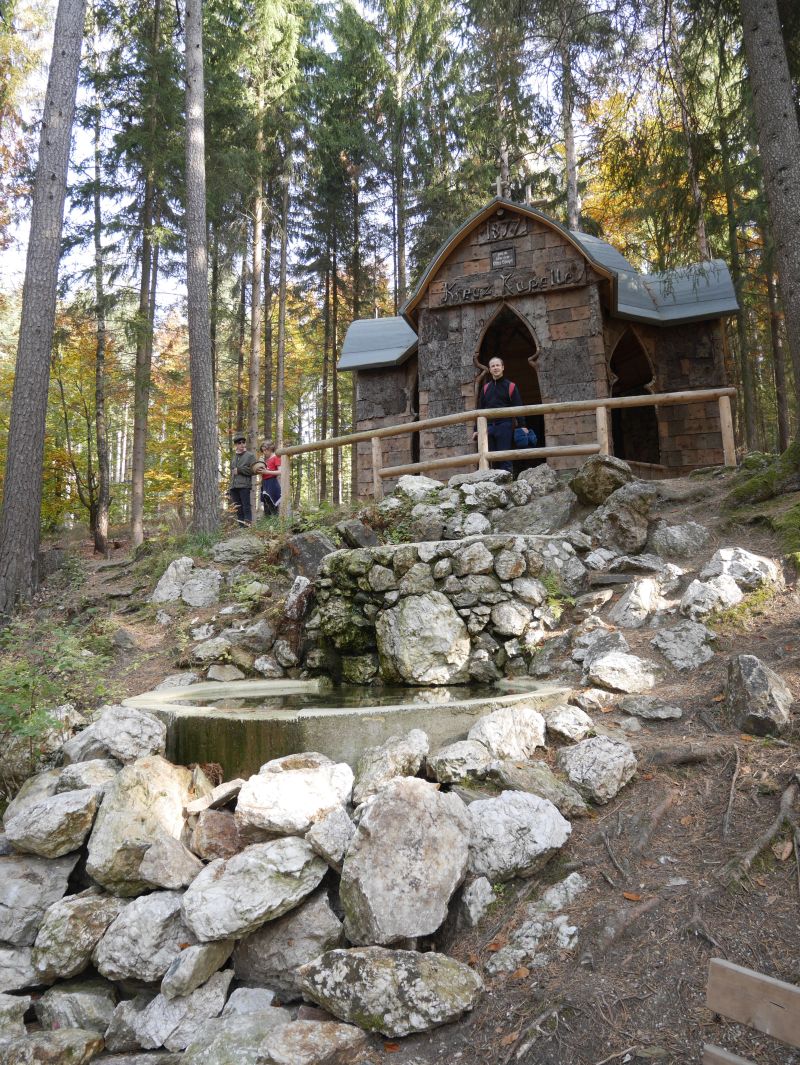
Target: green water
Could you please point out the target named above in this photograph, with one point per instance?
(350, 696)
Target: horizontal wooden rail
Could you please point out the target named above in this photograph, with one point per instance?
(483, 456)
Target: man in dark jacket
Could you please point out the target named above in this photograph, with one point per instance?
(498, 391)
(241, 479)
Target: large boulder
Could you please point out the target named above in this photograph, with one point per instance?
(510, 732)
(514, 834)
(128, 734)
(417, 487)
(201, 588)
(595, 480)
(423, 641)
(175, 1023)
(28, 887)
(144, 802)
(272, 954)
(144, 940)
(567, 723)
(288, 802)
(620, 672)
(194, 966)
(303, 553)
(621, 523)
(237, 549)
(702, 598)
(686, 645)
(748, 570)
(545, 514)
(168, 864)
(331, 835)
(408, 856)
(231, 898)
(399, 756)
(270, 1037)
(55, 825)
(87, 1004)
(759, 699)
(459, 761)
(598, 767)
(394, 992)
(71, 929)
(68, 1046)
(637, 605)
(171, 582)
(538, 778)
(686, 540)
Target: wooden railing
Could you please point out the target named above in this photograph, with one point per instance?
(482, 457)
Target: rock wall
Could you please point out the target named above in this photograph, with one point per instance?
(446, 612)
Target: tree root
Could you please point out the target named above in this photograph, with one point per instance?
(642, 826)
(738, 867)
(688, 753)
(602, 936)
(726, 820)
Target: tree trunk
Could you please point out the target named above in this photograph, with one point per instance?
(778, 137)
(571, 159)
(326, 349)
(778, 358)
(214, 300)
(240, 346)
(268, 431)
(337, 454)
(141, 383)
(254, 382)
(357, 276)
(22, 499)
(204, 428)
(101, 429)
(279, 391)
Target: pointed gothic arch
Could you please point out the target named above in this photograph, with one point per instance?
(634, 431)
(509, 335)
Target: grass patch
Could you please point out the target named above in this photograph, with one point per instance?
(762, 477)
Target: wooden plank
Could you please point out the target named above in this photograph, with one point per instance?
(483, 444)
(657, 400)
(726, 428)
(602, 430)
(494, 456)
(717, 1056)
(286, 486)
(772, 1006)
(377, 462)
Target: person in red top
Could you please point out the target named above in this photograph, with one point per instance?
(271, 480)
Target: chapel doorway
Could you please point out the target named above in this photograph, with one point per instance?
(509, 337)
(634, 431)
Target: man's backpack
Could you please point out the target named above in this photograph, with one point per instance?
(511, 388)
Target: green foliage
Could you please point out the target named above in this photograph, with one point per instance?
(787, 525)
(736, 618)
(558, 599)
(770, 477)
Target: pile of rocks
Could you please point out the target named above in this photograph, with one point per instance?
(163, 913)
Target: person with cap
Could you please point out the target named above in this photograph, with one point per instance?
(241, 480)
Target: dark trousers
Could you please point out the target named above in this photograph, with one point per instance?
(240, 497)
(271, 494)
(501, 438)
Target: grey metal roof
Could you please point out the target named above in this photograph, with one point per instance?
(375, 342)
(688, 294)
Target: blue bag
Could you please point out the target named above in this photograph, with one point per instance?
(524, 438)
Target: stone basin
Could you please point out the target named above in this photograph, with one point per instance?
(262, 719)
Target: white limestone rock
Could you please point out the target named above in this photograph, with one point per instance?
(231, 898)
(514, 834)
(237, 549)
(12, 1010)
(408, 856)
(170, 585)
(417, 487)
(201, 588)
(650, 707)
(194, 966)
(331, 835)
(686, 540)
(70, 931)
(128, 734)
(234, 1039)
(399, 756)
(395, 992)
(599, 476)
(591, 643)
(475, 901)
(637, 605)
(86, 1004)
(701, 598)
(96, 773)
(510, 619)
(289, 803)
(598, 767)
(759, 699)
(459, 761)
(143, 803)
(168, 864)
(510, 732)
(175, 1023)
(622, 672)
(272, 954)
(422, 640)
(56, 825)
(68, 1046)
(144, 940)
(214, 650)
(28, 887)
(686, 645)
(246, 1000)
(224, 673)
(537, 778)
(565, 722)
(178, 680)
(748, 570)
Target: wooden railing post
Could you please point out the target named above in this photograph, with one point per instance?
(377, 462)
(726, 428)
(483, 443)
(601, 415)
(286, 486)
